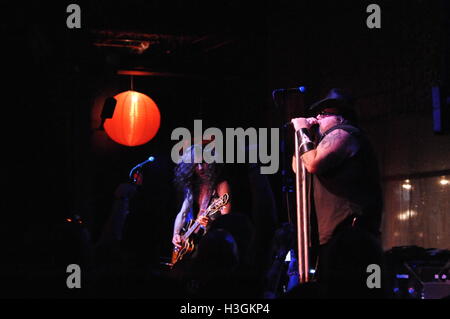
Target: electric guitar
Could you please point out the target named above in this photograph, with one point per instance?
(187, 242)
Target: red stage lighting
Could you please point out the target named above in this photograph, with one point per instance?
(135, 121)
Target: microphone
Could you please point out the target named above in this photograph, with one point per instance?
(150, 159)
(301, 89)
(312, 122)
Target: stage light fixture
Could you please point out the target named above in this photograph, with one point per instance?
(407, 185)
(136, 119)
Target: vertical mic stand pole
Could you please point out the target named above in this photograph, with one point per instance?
(302, 215)
(286, 188)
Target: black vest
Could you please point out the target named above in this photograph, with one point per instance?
(349, 189)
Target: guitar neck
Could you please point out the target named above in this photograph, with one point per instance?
(191, 229)
(196, 225)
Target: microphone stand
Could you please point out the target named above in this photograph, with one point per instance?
(302, 202)
(286, 184)
(138, 167)
(303, 220)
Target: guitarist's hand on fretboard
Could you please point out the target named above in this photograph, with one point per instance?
(204, 220)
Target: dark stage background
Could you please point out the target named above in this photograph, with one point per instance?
(218, 61)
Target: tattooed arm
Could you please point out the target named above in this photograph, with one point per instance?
(331, 151)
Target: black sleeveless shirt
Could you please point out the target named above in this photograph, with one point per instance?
(351, 188)
(195, 208)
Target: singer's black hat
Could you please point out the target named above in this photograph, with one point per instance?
(338, 102)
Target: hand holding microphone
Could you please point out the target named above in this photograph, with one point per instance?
(303, 122)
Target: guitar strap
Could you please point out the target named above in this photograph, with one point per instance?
(204, 205)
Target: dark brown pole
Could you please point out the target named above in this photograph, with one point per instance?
(302, 216)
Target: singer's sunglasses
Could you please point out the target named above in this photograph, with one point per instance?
(323, 114)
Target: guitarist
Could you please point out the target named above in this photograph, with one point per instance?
(200, 184)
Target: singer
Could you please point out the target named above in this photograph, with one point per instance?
(346, 195)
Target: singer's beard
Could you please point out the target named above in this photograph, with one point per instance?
(315, 131)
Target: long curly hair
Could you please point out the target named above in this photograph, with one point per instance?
(187, 180)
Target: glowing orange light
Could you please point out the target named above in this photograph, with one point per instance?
(407, 185)
(69, 220)
(135, 121)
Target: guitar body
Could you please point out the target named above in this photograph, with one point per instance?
(187, 247)
(188, 243)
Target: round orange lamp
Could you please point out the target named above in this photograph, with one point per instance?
(135, 121)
